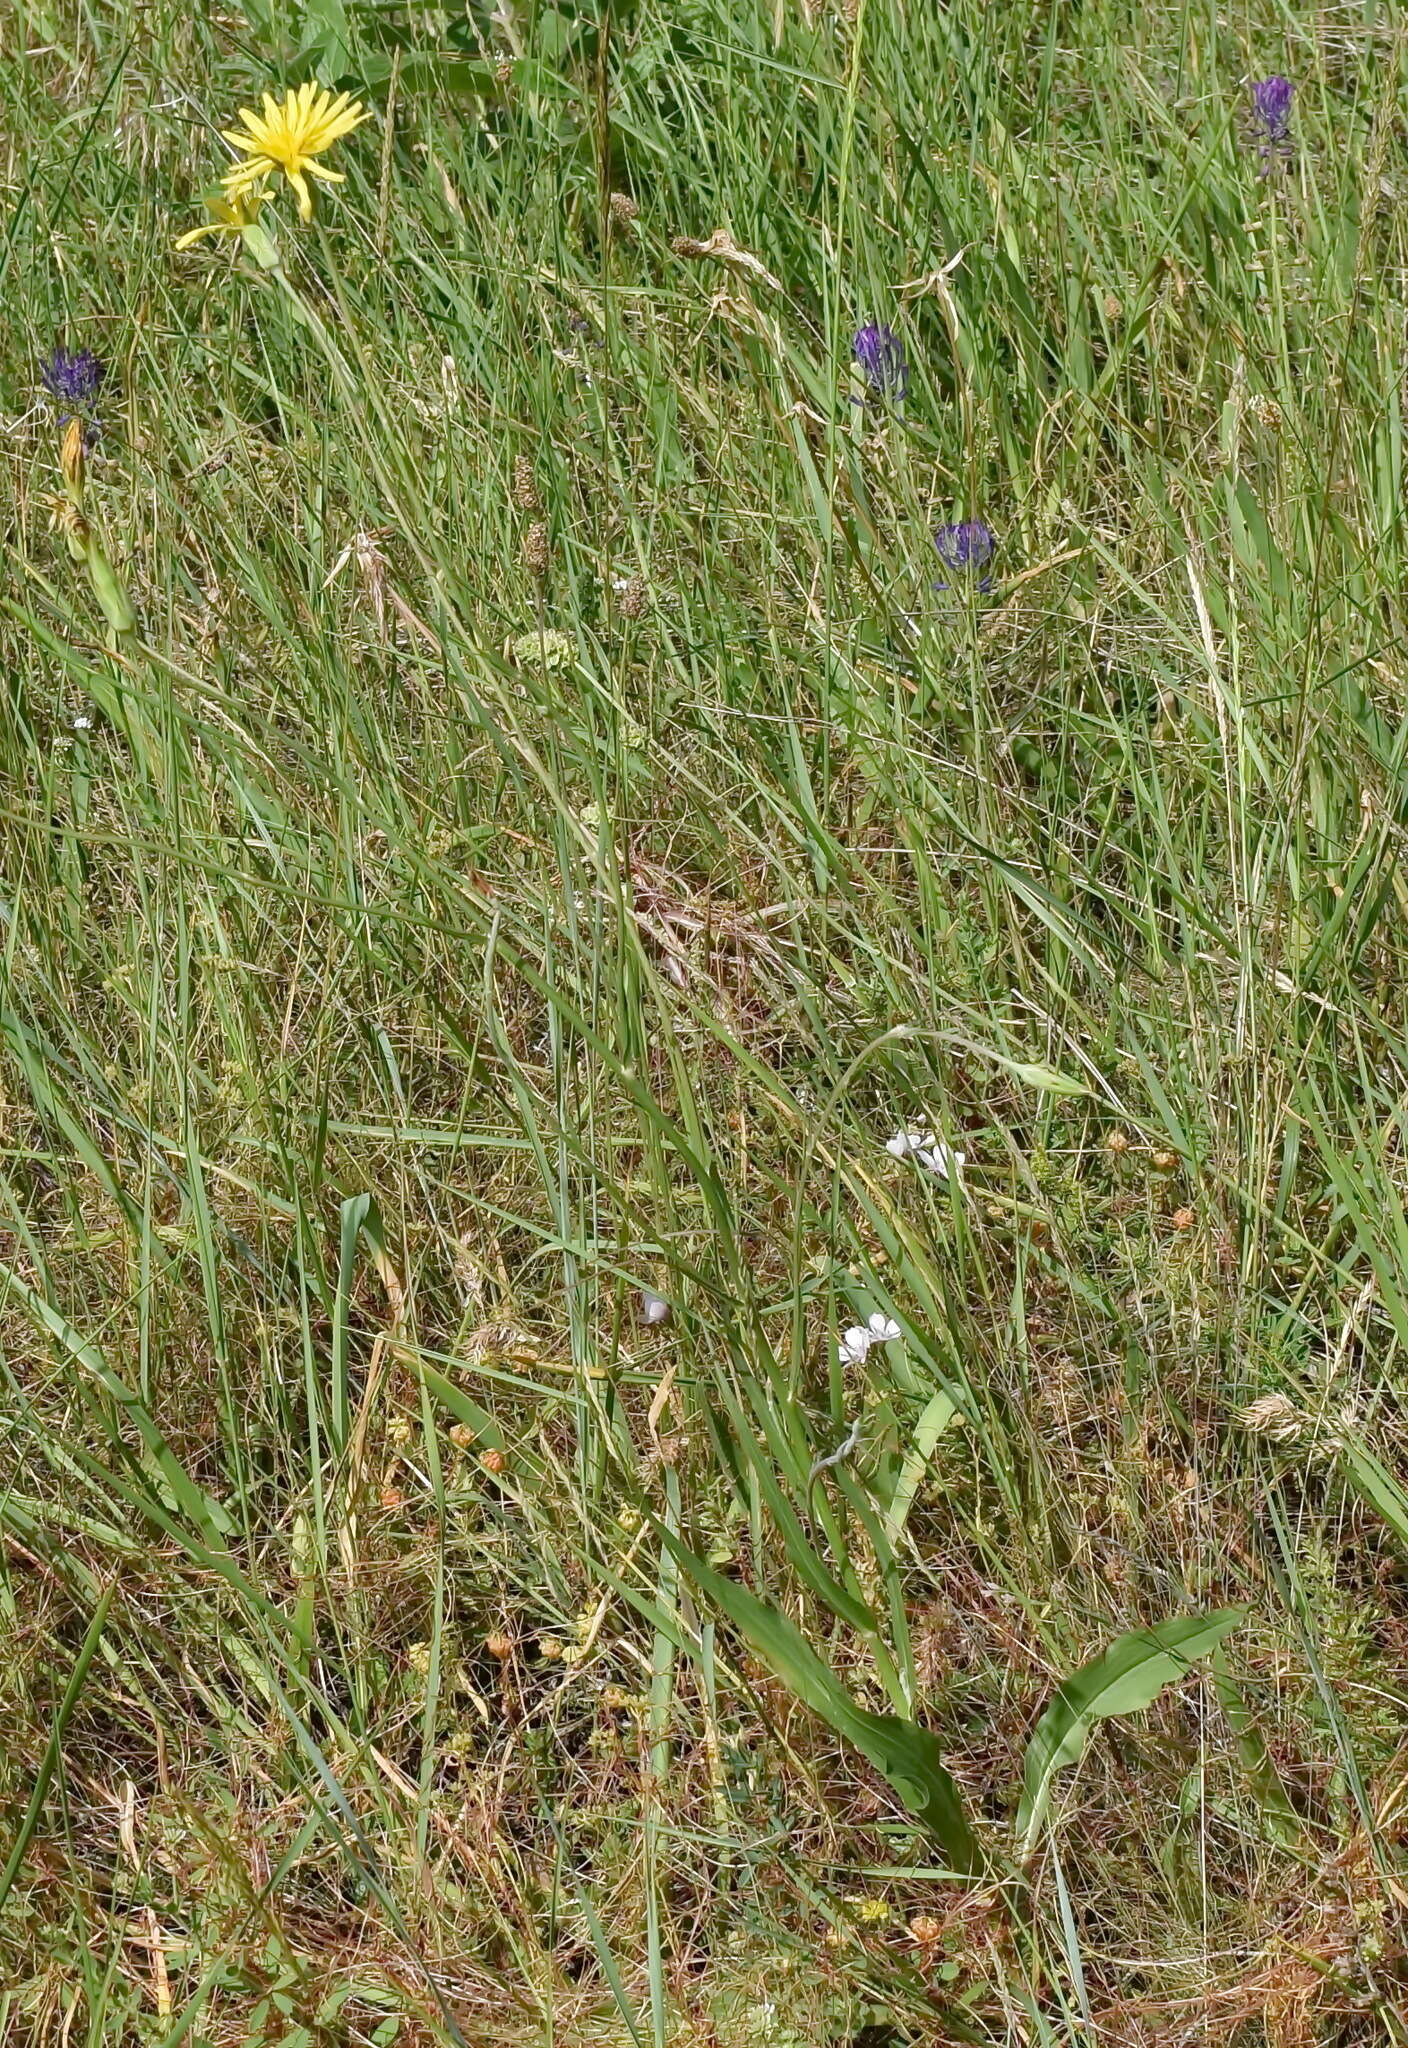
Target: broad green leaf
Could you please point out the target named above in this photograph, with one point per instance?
(1127, 1678)
(328, 38)
(909, 1757)
(939, 1413)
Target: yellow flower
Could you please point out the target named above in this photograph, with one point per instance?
(288, 137)
(230, 216)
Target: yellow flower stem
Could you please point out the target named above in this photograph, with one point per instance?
(259, 243)
(310, 318)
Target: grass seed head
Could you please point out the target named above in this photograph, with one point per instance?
(537, 548)
(526, 494)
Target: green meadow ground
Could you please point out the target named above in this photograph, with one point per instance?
(546, 832)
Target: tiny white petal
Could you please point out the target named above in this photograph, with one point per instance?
(653, 1307)
(883, 1329)
(943, 1163)
(82, 723)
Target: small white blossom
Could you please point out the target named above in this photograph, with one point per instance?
(82, 723)
(931, 1152)
(942, 1162)
(855, 1343)
(653, 1307)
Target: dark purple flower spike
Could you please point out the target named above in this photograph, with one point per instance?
(1271, 119)
(966, 549)
(1271, 105)
(881, 356)
(74, 379)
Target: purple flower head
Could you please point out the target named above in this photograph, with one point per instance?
(966, 549)
(73, 378)
(881, 356)
(1271, 107)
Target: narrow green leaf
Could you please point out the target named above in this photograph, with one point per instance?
(1374, 1483)
(1045, 1080)
(1278, 1813)
(908, 1756)
(54, 1747)
(354, 1215)
(202, 1511)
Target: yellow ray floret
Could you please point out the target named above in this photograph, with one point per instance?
(228, 216)
(288, 136)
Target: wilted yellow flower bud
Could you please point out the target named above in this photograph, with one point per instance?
(65, 518)
(71, 460)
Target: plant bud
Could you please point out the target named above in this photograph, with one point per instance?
(110, 590)
(71, 460)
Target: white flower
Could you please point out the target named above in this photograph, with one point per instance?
(943, 1163)
(931, 1152)
(854, 1345)
(82, 723)
(653, 1307)
(910, 1144)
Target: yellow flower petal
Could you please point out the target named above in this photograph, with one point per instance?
(243, 177)
(288, 136)
(211, 227)
(231, 216)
